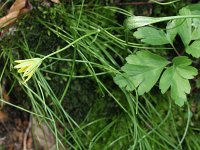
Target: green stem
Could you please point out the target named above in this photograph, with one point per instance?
(175, 17)
(166, 3)
(140, 21)
(72, 43)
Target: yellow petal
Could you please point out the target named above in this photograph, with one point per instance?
(22, 70)
(29, 76)
(27, 60)
(29, 70)
(19, 61)
(24, 64)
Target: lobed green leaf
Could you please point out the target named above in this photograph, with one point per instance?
(177, 77)
(143, 69)
(194, 49)
(150, 35)
(185, 26)
(124, 82)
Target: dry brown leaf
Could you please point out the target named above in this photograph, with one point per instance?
(56, 1)
(3, 116)
(5, 96)
(11, 147)
(19, 7)
(29, 141)
(43, 136)
(3, 92)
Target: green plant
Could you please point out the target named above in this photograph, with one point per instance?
(81, 42)
(144, 68)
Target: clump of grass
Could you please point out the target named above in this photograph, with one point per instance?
(80, 41)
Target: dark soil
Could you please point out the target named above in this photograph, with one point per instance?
(13, 126)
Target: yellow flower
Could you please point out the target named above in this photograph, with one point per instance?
(28, 67)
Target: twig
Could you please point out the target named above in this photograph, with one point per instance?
(133, 3)
(27, 132)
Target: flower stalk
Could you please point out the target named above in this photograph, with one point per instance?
(29, 66)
